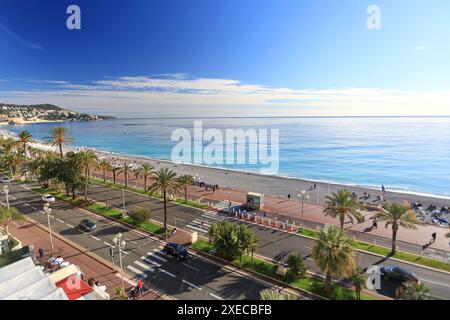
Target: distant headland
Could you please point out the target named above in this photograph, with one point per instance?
(18, 113)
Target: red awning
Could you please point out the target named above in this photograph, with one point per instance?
(74, 287)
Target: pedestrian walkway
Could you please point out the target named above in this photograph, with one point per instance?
(32, 234)
(202, 223)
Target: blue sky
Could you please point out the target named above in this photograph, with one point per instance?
(234, 57)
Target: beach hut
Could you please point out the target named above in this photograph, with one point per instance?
(255, 200)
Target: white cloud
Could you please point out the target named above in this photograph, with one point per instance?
(21, 41)
(183, 95)
(419, 48)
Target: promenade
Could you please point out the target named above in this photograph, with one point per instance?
(31, 234)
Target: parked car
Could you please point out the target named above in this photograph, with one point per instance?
(6, 180)
(48, 198)
(397, 273)
(87, 225)
(176, 250)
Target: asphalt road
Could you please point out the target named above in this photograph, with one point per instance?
(273, 244)
(197, 278)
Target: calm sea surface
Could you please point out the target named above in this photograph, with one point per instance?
(402, 153)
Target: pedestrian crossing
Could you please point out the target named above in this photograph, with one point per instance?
(202, 223)
(152, 262)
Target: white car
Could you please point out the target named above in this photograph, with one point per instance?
(6, 180)
(48, 198)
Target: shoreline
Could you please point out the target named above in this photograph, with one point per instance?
(276, 185)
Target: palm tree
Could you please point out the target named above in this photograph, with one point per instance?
(397, 215)
(59, 136)
(125, 169)
(8, 215)
(87, 159)
(25, 139)
(165, 183)
(115, 169)
(252, 244)
(12, 160)
(144, 171)
(104, 165)
(185, 181)
(359, 281)
(342, 205)
(415, 291)
(273, 294)
(333, 254)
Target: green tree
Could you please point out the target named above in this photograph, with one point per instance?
(70, 173)
(125, 170)
(273, 294)
(165, 183)
(333, 254)
(115, 170)
(104, 165)
(415, 291)
(359, 281)
(342, 205)
(396, 215)
(9, 215)
(230, 240)
(252, 244)
(87, 160)
(185, 181)
(145, 172)
(140, 215)
(296, 265)
(60, 136)
(25, 139)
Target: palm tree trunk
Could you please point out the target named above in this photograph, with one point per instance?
(342, 219)
(358, 293)
(104, 175)
(165, 210)
(60, 150)
(86, 183)
(145, 183)
(126, 179)
(114, 177)
(328, 282)
(185, 194)
(394, 239)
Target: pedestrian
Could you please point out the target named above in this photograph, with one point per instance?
(289, 196)
(375, 224)
(433, 237)
(41, 254)
(139, 286)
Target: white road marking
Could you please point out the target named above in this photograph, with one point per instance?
(68, 224)
(26, 204)
(137, 271)
(131, 282)
(434, 282)
(156, 256)
(108, 244)
(150, 261)
(60, 220)
(191, 267)
(167, 272)
(142, 265)
(195, 228)
(34, 208)
(94, 237)
(216, 296)
(192, 285)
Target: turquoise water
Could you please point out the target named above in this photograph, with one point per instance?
(401, 153)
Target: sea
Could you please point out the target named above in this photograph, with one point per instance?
(409, 154)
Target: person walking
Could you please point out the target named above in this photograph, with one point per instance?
(375, 224)
(433, 237)
(140, 286)
(289, 196)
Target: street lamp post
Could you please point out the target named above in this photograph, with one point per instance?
(121, 245)
(6, 191)
(48, 211)
(303, 196)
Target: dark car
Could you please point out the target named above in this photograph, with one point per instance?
(176, 250)
(87, 225)
(393, 272)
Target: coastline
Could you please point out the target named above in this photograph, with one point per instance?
(276, 185)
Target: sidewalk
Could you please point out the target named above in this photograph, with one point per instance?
(31, 234)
